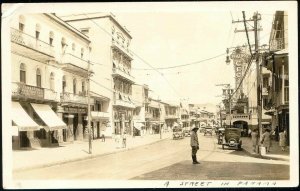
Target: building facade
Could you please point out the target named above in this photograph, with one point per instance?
(48, 80)
(111, 63)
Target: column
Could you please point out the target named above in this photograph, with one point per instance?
(70, 135)
(282, 84)
(80, 128)
(60, 131)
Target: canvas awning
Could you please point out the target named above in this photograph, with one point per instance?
(21, 119)
(49, 117)
(138, 125)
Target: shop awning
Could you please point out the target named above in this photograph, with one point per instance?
(138, 125)
(49, 117)
(21, 119)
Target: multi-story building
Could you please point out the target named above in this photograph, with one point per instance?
(172, 114)
(112, 80)
(277, 62)
(49, 70)
(141, 101)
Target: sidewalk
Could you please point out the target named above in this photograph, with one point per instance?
(49, 156)
(275, 151)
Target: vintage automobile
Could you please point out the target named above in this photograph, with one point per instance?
(208, 130)
(178, 133)
(232, 138)
(187, 133)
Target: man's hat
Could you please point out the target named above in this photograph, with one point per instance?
(194, 127)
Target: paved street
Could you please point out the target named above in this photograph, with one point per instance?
(167, 160)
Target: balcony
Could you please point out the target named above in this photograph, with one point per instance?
(122, 74)
(277, 44)
(73, 98)
(21, 90)
(74, 64)
(123, 100)
(31, 47)
(121, 47)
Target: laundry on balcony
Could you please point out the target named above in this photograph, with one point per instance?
(49, 117)
(21, 119)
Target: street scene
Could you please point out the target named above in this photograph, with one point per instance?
(109, 94)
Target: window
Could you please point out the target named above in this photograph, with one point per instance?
(22, 73)
(21, 23)
(63, 45)
(82, 52)
(98, 106)
(73, 46)
(64, 84)
(51, 37)
(83, 87)
(37, 31)
(52, 82)
(38, 78)
(74, 86)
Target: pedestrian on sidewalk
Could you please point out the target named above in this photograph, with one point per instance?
(102, 135)
(124, 139)
(194, 144)
(266, 140)
(282, 139)
(254, 138)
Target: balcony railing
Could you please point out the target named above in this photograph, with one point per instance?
(168, 116)
(123, 74)
(125, 100)
(73, 98)
(122, 48)
(74, 61)
(27, 91)
(277, 44)
(31, 42)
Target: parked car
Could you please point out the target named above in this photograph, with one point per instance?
(208, 130)
(187, 133)
(232, 138)
(178, 133)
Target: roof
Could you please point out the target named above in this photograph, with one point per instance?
(68, 26)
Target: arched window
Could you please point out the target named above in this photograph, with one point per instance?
(63, 44)
(74, 85)
(51, 37)
(38, 78)
(21, 23)
(64, 84)
(52, 81)
(22, 73)
(37, 31)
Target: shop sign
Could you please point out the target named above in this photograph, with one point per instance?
(74, 110)
(31, 91)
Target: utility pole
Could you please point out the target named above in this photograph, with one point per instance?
(160, 134)
(256, 17)
(89, 110)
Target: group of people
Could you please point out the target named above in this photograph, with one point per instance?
(266, 139)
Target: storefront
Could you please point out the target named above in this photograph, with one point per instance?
(73, 116)
(122, 121)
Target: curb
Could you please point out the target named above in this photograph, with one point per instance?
(267, 157)
(81, 158)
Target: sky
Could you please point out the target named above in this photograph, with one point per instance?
(169, 34)
(165, 39)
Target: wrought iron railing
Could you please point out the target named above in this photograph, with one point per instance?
(31, 42)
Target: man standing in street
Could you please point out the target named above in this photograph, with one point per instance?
(194, 144)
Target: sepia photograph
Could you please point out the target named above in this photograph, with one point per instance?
(150, 95)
